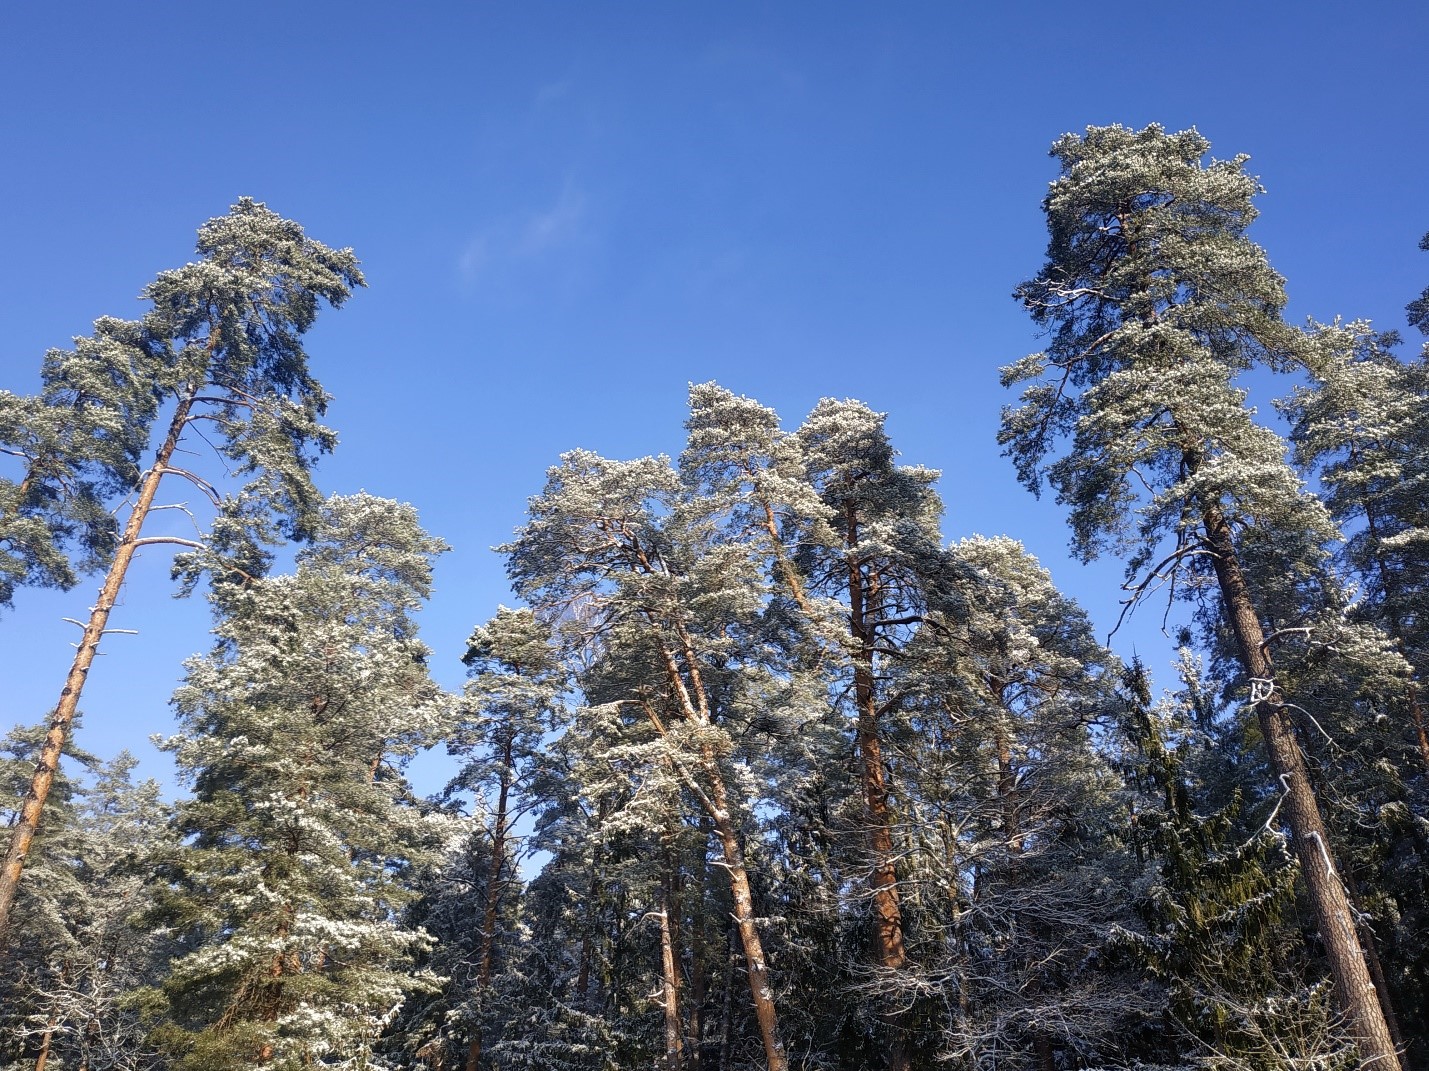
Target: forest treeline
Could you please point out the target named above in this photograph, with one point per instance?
(764, 772)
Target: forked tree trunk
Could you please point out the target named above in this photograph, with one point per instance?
(61, 721)
(1354, 989)
(709, 787)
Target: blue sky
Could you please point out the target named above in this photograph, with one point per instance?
(567, 212)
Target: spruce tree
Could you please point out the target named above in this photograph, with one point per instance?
(1221, 931)
(68, 1000)
(1155, 301)
(301, 831)
(221, 351)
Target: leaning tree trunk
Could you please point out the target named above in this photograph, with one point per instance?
(1354, 989)
(63, 718)
(710, 788)
(43, 1058)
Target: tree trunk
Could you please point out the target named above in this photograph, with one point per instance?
(1354, 989)
(759, 983)
(494, 889)
(670, 976)
(64, 713)
(45, 1039)
(700, 968)
(888, 944)
(726, 1026)
(694, 705)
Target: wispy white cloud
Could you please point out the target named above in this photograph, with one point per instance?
(524, 237)
(556, 225)
(473, 258)
(552, 92)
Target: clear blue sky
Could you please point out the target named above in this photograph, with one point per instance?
(567, 212)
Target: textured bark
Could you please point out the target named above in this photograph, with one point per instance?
(1007, 792)
(1354, 988)
(726, 1031)
(699, 970)
(889, 950)
(670, 976)
(63, 717)
(760, 987)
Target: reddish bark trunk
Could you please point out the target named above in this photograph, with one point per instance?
(63, 717)
(1354, 989)
(670, 977)
(494, 888)
(888, 943)
(45, 1039)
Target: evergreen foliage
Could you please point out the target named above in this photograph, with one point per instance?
(765, 773)
(67, 998)
(1155, 301)
(286, 893)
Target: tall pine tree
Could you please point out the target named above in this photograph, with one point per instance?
(1155, 300)
(221, 349)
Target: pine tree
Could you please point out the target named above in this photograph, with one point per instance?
(222, 349)
(510, 706)
(1418, 309)
(76, 444)
(640, 580)
(1362, 427)
(870, 556)
(301, 830)
(1155, 300)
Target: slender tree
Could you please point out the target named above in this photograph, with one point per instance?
(1017, 847)
(1362, 427)
(222, 350)
(510, 703)
(1155, 300)
(879, 542)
